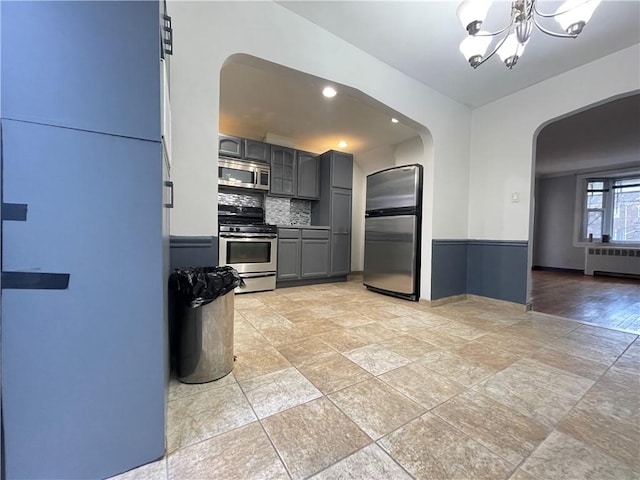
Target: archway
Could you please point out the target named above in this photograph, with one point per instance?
(597, 142)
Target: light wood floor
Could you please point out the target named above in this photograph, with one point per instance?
(604, 301)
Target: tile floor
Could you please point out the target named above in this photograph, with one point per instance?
(334, 382)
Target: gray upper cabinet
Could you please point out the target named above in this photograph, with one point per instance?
(308, 176)
(257, 151)
(230, 146)
(283, 171)
(60, 64)
(341, 170)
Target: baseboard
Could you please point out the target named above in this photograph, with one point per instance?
(558, 269)
(443, 301)
(516, 307)
(309, 281)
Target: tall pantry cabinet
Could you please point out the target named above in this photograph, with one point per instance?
(84, 350)
(334, 208)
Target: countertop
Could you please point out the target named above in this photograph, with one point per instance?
(306, 227)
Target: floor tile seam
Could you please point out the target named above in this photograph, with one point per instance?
(169, 400)
(598, 449)
(375, 442)
(582, 322)
(562, 430)
(478, 441)
(474, 384)
(464, 387)
(168, 455)
(440, 461)
(581, 357)
(259, 420)
(270, 440)
(589, 389)
(428, 410)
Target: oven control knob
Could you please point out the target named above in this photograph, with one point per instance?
(237, 229)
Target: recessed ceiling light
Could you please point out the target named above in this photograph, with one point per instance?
(342, 144)
(329, 92)
(394, 120)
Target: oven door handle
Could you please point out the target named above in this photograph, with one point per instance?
(258, 275)
(248, 235)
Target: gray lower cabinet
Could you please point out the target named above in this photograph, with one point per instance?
(340, 254)
(315, 253)
(288, 258)
(303, 253)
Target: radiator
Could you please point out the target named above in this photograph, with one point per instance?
(612, 260)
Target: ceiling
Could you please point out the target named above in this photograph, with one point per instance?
(259, 99)
(269, 102)
(421, 39)
(601, 137)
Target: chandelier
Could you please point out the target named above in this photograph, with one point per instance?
(572, 16)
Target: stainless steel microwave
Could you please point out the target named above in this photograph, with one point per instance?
(238, 173)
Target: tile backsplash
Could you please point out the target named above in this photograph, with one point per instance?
(300, 212)
(286, 211)
(248, 199)
(278, 211)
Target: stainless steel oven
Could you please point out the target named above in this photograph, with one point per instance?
(249, 246)
(239, 173)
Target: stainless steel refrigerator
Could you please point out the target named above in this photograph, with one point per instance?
(392, 225)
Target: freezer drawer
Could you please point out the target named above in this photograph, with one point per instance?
(390, 253)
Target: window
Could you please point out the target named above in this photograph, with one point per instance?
(612, 207)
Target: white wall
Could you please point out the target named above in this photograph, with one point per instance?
(207, 33)
(409, 151)
(503, 135)
(358, 200)
(553, 245)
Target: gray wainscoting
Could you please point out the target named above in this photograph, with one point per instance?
(448, 268)
(193, 251)
(489, 268)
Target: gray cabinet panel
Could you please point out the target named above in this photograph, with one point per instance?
(340, 253)
(230, 146)
(83, 368)
(342, 170)
(288, 233)
(288, 259)
(86, 65)
(315, 258)
(257, 151)
(308, 175)
(283, 171)
(340, 210)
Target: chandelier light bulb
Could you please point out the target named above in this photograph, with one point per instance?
(474, 47)
(510, 50)
(472, 13)
(573, 15)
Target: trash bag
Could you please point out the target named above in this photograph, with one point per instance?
(198, 286)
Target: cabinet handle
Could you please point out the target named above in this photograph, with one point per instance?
(169, 184)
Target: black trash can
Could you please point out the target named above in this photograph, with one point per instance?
(204, 321)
